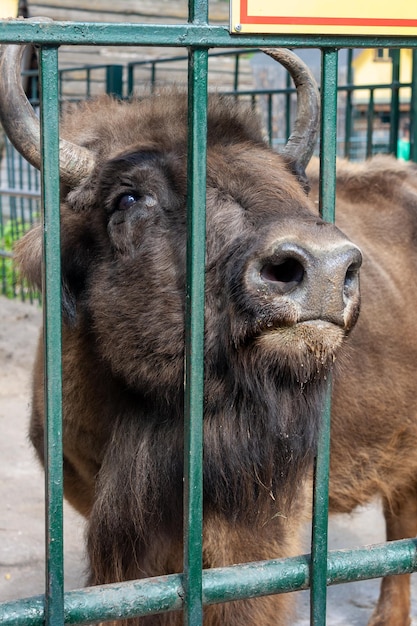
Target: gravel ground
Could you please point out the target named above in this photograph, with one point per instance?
(22, 492)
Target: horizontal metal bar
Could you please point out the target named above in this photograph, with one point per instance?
(164, 593)
(182, 57)
(292, 90)
(86, 68)
(174, 35)
(6, 255)
(19, 193)
(390, 85)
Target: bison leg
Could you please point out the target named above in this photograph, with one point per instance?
(114, 558)
(227, 543)
(393, 607)
(113, 564)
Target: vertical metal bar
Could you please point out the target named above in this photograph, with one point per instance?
(12, 164)
(130, 79)
(348, 112)
(413, 110)
(328, 139)
(153, 76)
(236, 73)
(328, 146)
(88, 83)
(54, 600)
(370, 124)
(2, 259)
(395, 101)
(194, 358)
(198, 11)
(318, 594)
(288, 99)
(270, 123)
(114, 80)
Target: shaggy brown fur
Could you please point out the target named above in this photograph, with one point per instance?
(374, 423)
(281, 300)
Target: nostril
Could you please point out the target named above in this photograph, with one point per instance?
(351, 283)
(285, 275)
(351, 280)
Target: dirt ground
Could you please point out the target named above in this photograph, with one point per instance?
(21, 495)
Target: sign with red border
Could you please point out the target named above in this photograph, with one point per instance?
(356, 17)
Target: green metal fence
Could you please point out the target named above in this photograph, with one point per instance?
(356, 137)
(193, 588)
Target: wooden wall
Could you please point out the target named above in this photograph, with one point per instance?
(142, 11)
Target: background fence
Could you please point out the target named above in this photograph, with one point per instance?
(195, 587)
(365, 125)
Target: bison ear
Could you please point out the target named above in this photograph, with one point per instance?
(77, 252)
(75, 260)
(300, 174)
(28, 256)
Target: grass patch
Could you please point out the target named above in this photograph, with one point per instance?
(12, 284)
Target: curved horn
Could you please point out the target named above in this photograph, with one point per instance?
(301, 143)
(22, 126)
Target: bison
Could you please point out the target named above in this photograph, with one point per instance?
(282, 306)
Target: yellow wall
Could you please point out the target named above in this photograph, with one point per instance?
(8, 8)
(367, 71)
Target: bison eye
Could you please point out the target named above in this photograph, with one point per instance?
(126, 201)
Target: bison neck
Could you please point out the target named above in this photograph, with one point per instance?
(258, 450)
